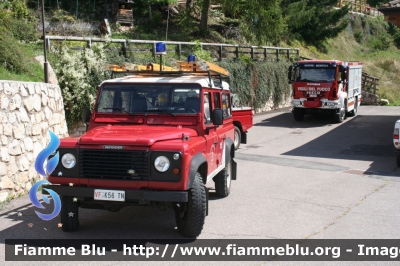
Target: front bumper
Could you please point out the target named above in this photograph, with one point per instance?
(130, 195)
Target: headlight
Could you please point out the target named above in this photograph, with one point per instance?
(68, 160)
(161, 163)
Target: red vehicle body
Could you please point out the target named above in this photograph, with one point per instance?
(153, 138)
(329, 86)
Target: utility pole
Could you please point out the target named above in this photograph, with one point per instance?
(46, 76)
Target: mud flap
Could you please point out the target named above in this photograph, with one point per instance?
(243, 138)
(234, 169)
(207, 197)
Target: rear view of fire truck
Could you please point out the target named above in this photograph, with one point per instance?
(328, 86)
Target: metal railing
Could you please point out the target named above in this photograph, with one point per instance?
(221, 51)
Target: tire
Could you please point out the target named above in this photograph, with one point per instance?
(339, 117)
(354, 111)
(237, 138)
(398, 160)
(69, 214)
(223, 181)
(298, 114)
(190, 215)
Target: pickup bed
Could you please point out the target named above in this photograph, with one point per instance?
(243, 121)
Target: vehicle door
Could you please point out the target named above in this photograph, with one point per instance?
(210, 132)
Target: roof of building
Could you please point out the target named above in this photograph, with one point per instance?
(390, 7)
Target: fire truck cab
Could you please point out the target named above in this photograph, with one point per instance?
(329, 86)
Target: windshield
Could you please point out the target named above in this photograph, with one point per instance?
(315, 74)
(149, 98)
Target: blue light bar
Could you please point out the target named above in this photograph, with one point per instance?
(191, 58)
(161, 48)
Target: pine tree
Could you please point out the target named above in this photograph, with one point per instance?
(314, 21)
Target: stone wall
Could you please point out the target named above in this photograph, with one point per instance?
(269, 105)
(77, 130)
(368, 98)
(27, 111)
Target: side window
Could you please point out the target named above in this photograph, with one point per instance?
(226, 106)
(207, 109)
(217, 102)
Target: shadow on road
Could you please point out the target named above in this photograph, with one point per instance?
(363, 138)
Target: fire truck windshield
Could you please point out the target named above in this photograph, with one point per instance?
(315, 74)
(149, 98)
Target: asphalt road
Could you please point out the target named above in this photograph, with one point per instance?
(296, 180)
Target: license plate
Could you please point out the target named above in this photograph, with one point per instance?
(110, 195)
(313, 95)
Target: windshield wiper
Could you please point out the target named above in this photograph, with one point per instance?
(160, 111)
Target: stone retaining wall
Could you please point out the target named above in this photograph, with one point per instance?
(27, 111)
(368, 98)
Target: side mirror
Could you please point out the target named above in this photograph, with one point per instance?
(290, 74)
(218, 116)
(343, 75)
(86, 114)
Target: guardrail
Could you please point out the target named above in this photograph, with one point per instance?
(222, 51)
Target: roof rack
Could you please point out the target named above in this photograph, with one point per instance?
(199, 68)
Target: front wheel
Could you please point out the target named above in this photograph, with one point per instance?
(339, 117)
(298, 114)
(223, 181)
(190, 215)
(237, 138)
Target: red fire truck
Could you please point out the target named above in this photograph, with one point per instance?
(329, 86)
(154, 138)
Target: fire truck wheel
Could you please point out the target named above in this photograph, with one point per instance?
(237, 139)
(298, 114)
(398, 160)
(339, 117)
(190, 215)
(223, 181)
(69, 214)
(354, 111)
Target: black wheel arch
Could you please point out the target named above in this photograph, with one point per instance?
(230, 153)
(198, 164)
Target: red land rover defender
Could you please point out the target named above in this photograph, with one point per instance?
(154, 138)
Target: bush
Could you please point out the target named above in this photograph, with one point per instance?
(11, 53)
(379, 43)
(79, 74)
(359, 36)
(256, 82)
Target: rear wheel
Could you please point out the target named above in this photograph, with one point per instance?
(237, 138)
(298, 114)
(223, 181)
(354, 111)
(190, 215)
(69, 214)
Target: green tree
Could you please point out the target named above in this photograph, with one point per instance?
(314, 21)
(261, 21)
(204, 15)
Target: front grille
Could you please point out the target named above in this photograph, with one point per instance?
(114, 164)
